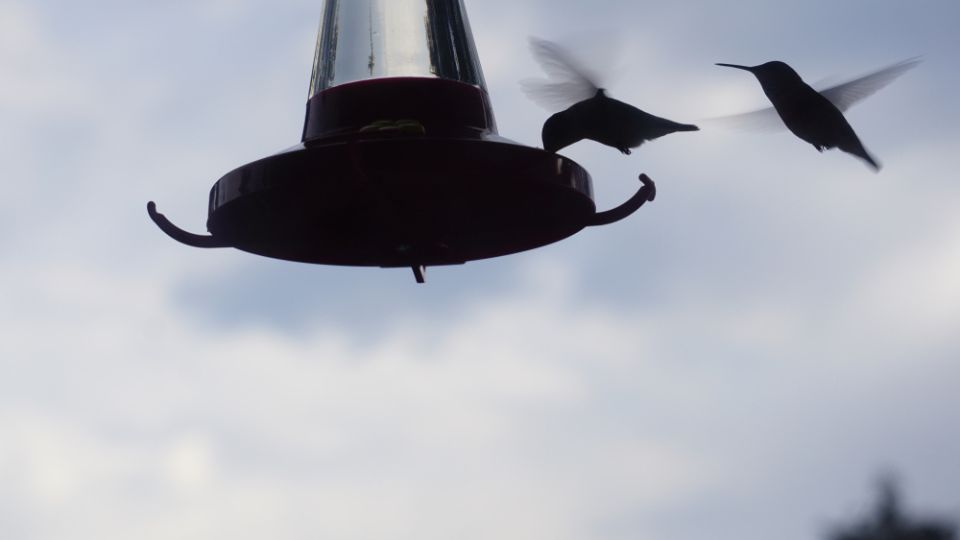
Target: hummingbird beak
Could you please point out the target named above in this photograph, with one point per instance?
(745, 68)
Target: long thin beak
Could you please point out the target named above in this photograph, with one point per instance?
(745, 68)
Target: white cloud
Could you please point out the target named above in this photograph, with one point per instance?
(532, 413)
(916, 294)
(442, 418)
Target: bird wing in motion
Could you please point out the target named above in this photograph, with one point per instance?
(568, 82)
(846, 94)
(843, 96)
(762, 120)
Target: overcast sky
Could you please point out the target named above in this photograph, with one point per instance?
(736, 361)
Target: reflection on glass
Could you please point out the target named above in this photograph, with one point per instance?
(365, 39)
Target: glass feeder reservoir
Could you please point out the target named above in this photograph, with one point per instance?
(400, 163)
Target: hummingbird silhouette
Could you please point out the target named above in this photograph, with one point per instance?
(593, 114)
(817, 117)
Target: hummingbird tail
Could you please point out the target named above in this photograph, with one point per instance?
(872, 161)
(862, 153)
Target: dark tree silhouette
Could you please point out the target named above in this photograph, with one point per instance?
(888, 521)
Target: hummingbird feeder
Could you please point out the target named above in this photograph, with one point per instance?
(400, 163)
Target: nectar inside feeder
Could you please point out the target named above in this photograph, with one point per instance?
(400, 163)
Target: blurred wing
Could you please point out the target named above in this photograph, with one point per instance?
(554, 95)
(846, 94)
(761, 121)
(568, 82)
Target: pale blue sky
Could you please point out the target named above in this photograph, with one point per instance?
(736, 361)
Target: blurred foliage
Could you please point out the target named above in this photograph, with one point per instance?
(889, 521)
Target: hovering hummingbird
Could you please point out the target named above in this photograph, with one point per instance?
(817, 117)
(593, 115)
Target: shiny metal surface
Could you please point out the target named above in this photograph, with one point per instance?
(367, 39)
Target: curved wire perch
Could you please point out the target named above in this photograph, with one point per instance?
(647, 192)
(180, 235)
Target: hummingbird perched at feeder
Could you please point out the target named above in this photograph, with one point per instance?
(817, 117)
(593, 115)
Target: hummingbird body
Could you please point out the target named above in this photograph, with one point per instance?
(593, 115)
(607, 121)
(806, 112)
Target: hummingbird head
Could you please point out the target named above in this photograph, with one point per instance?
(770, 70)
(773, 76)
(558, 132)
